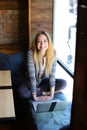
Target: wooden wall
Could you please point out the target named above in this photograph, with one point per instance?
(41, 17)
(79, 109)
(15, 28)
(13, 25)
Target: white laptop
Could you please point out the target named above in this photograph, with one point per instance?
(47, 106)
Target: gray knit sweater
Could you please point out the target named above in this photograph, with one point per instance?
(33, 77)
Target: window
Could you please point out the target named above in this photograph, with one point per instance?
(64, 32)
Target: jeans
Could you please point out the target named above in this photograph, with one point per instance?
(25, 92)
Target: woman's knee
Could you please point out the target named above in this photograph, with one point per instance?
(24, 92)
(60, 84)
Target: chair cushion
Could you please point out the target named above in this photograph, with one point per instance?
(17, 63)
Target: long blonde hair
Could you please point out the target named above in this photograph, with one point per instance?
(50, 53)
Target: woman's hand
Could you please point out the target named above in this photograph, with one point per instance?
(35, 96)
(41, 98)
(44, 98)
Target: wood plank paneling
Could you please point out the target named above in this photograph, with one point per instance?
(13, 4)
(79, 109)
(13, 48)
(13, 25)
(41, 15)
(40, 18)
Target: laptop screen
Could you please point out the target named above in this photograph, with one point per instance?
(47, 106)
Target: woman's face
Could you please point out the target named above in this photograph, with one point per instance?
(42, 43)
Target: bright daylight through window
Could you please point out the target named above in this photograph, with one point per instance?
(64, 31)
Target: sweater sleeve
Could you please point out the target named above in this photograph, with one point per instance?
(31, 71)
(52, 75)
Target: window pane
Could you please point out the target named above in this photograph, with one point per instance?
(64, 31)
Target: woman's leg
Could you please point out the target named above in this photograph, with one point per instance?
(24, 91)
(44, 85)
(60, 84)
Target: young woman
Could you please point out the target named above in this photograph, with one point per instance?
(41, 66)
